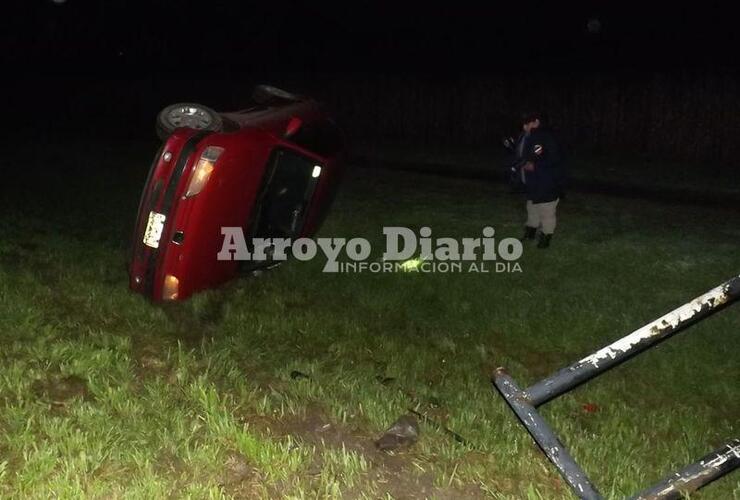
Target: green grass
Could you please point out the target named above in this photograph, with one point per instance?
(104, 395)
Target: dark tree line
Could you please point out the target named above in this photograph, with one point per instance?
(687, 117)
(693, 118)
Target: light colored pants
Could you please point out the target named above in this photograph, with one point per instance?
(542, 215)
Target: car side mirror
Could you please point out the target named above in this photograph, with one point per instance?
(294, 124)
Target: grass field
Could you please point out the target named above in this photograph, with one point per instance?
(104, 395)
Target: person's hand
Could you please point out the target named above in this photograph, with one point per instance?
(528, 167)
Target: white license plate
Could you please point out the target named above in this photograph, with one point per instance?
(154, 228)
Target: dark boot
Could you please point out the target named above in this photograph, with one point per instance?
(544, 241)
(529, 233)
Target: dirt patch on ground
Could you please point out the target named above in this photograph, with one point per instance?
(150, 359)
(238, 477)
(392, 474)
(59, 390)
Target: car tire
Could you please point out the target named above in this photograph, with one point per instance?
(263, 94)
(191, 115)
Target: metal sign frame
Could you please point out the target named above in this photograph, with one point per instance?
(524, 402)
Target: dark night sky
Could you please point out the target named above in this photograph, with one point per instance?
(124, 38)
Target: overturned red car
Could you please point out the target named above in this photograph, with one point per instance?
(271, 169)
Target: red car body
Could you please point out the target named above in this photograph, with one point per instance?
(261, 149)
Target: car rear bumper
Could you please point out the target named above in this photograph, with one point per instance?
(163, 186)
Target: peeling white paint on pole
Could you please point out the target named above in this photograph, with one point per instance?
(721, 459)
(692, 477)
(713, 298)
(649, 335)
(524, 403)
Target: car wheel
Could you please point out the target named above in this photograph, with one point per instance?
(189, 115)
(263, 94)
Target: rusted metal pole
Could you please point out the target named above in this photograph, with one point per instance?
(634, 343)
(545, 437)
(694, 476)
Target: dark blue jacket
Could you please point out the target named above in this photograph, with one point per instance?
(546, 182)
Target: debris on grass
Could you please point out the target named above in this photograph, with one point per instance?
(385, 380)
(297, 375)
(236, 469)
(590, 407)
(428, 420)
(432, 403)
(403, 433)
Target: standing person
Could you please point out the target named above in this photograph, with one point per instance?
(543, 179)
